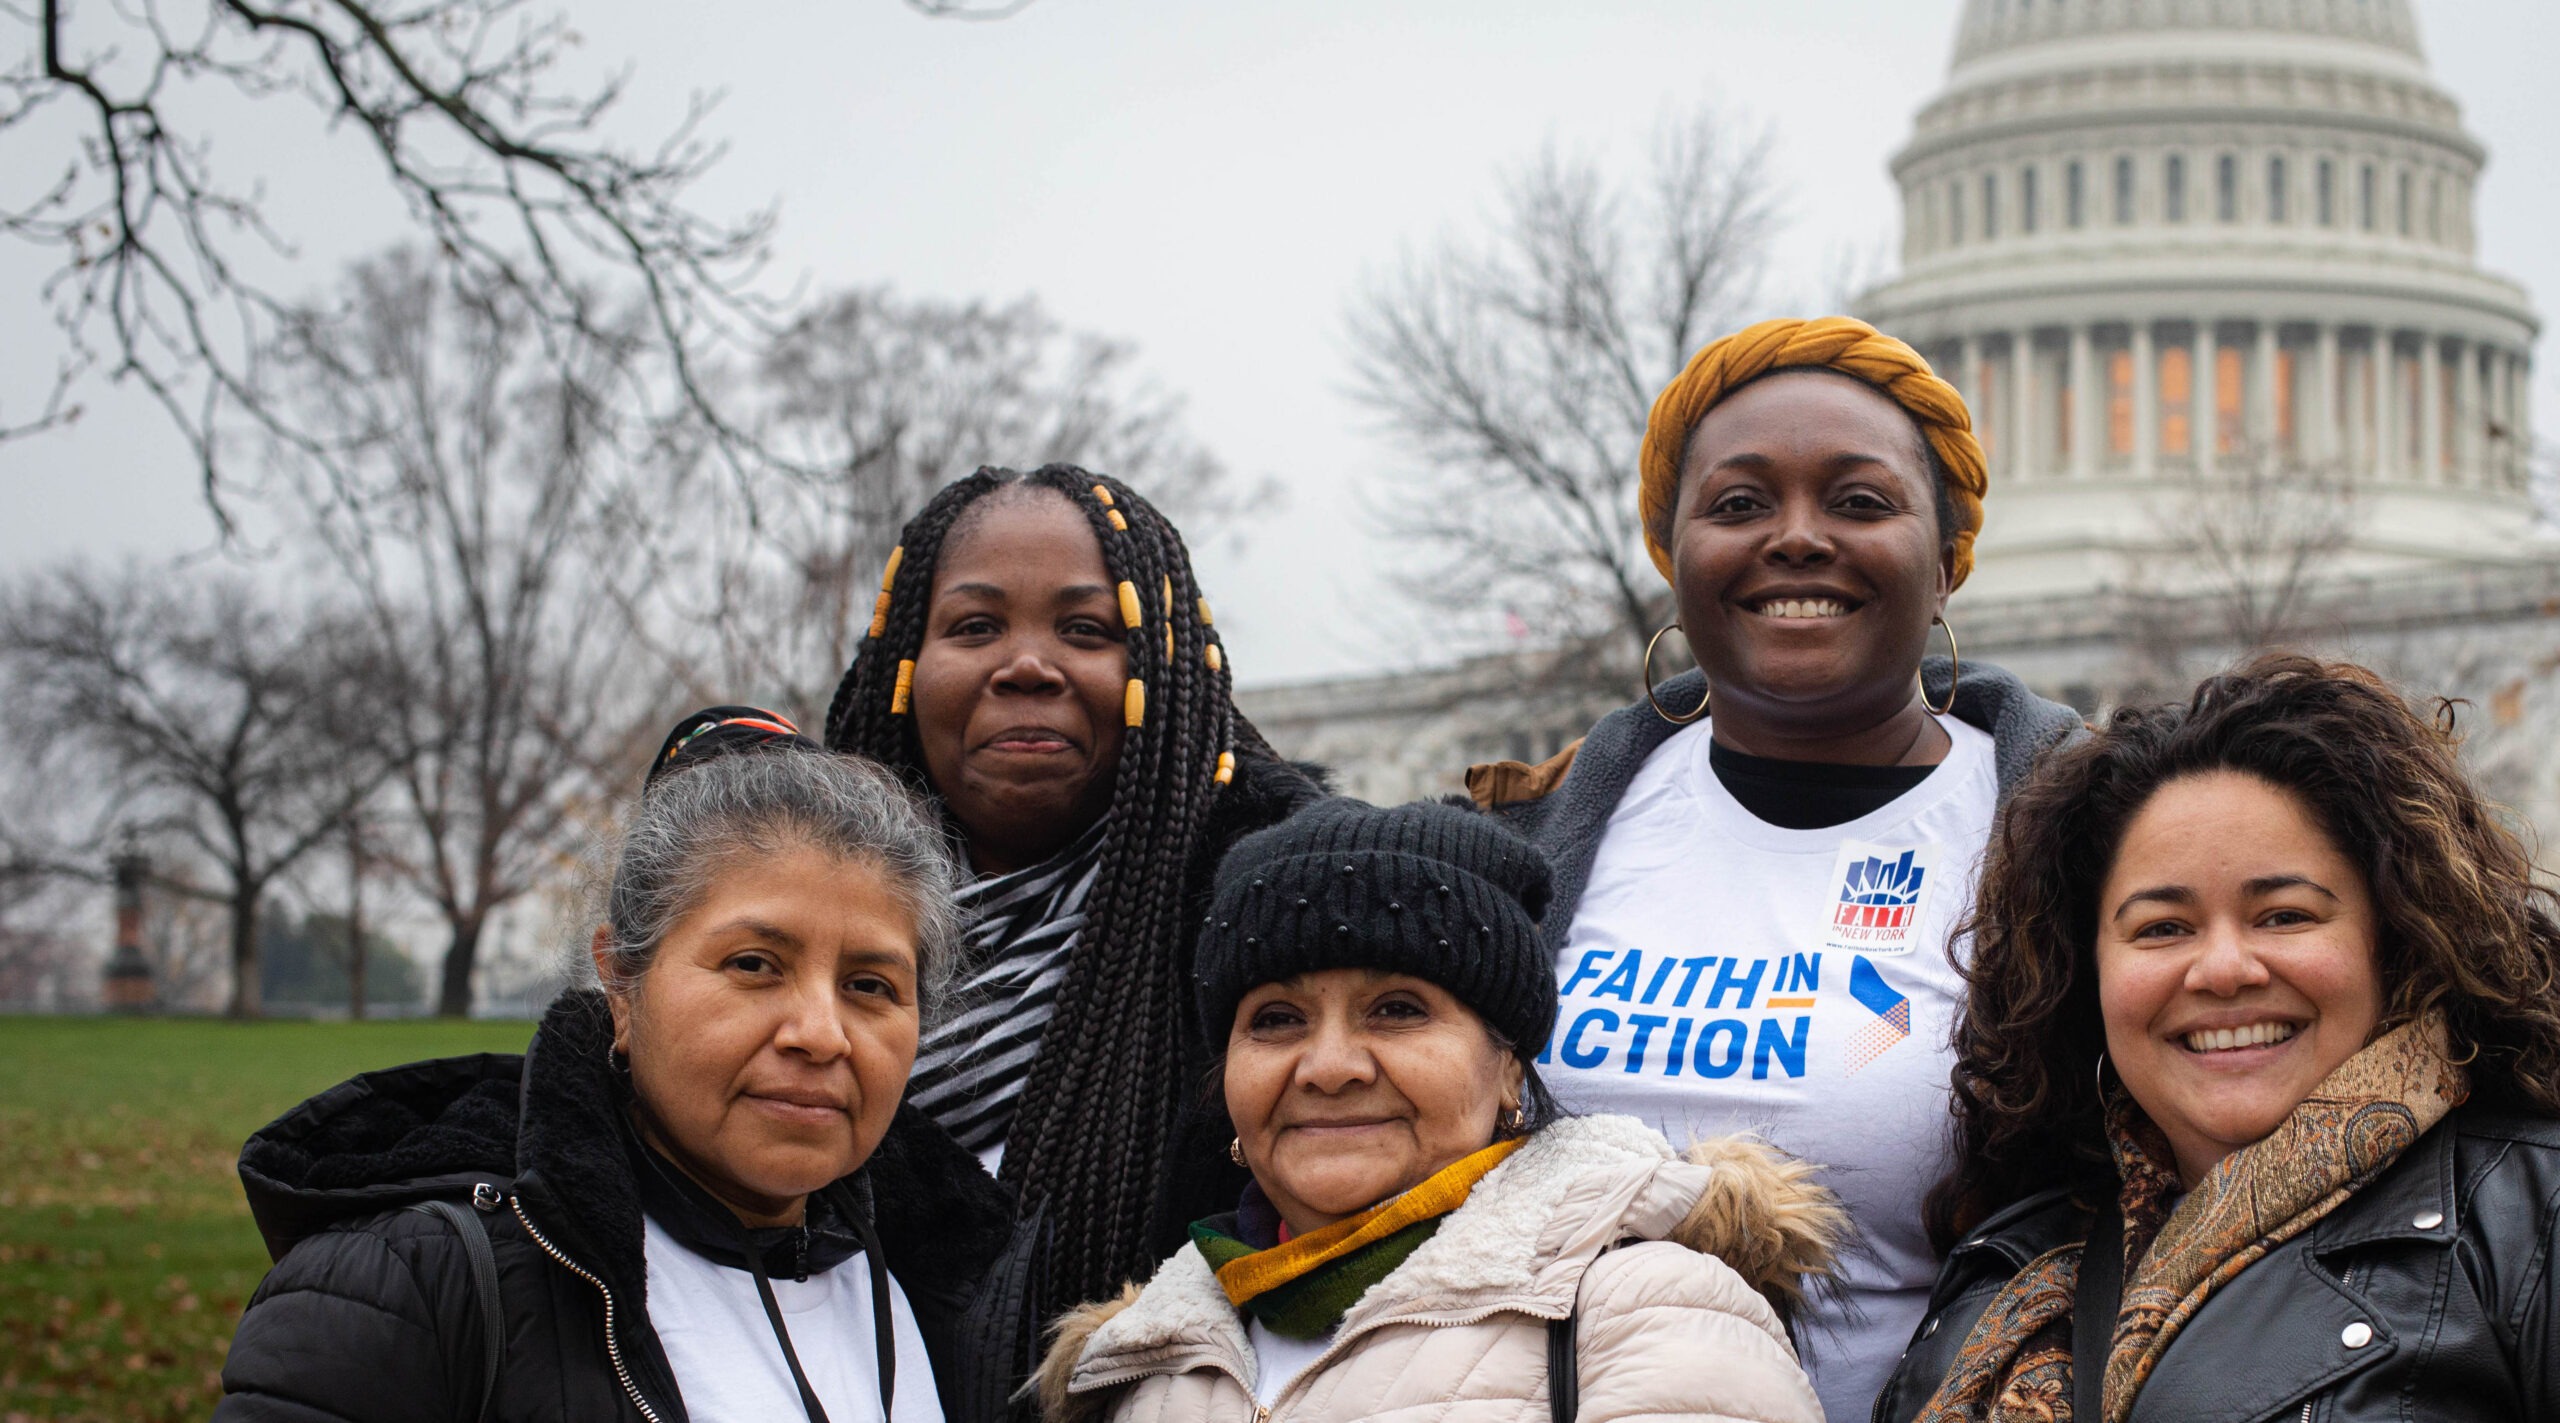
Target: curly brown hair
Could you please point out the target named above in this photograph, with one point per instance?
(2463, 926)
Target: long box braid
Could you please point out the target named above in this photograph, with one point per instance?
(1088, 1141)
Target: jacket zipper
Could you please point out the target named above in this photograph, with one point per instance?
(612, 1339)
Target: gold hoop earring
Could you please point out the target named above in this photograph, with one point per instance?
(1648, 685)
(1953, 668)
(1235, 1150)
(1515, 1121)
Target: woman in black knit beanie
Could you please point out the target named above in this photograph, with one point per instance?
(1422, 1237)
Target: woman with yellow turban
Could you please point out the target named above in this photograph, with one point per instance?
(1760, 869)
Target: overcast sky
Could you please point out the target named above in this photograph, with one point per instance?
(1210, 179)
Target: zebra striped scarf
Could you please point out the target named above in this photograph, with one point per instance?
(970, 1068)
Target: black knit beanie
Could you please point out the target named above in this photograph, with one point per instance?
(1433, 890)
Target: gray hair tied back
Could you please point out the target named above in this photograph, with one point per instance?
(696, 824)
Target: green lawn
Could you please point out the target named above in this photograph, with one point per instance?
(126, 1251)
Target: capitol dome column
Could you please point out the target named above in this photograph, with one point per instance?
(2146, 399)
(2265, 431)
(2200, 392)
(2386, 405)
(2022, 403)
(2327, 422)
(2469, 403)
(2086, 402)
(2431, 429)
(2522, 424)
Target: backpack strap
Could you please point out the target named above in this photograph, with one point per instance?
(484, 1289)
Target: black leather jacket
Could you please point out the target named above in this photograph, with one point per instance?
(2430, 1294)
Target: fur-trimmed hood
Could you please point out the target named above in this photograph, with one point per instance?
(1522, 1242)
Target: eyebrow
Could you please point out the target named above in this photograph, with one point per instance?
(1074, 592)
(2262, 885)
(2157, 894)
(765, 929)
(1831, 463)
(2269, 884)
(762, 929)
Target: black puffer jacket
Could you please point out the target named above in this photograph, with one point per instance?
(371, 1311)
(2430, 1294)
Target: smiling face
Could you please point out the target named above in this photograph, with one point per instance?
(2236, 962)
(771, 1037)
(1020, 681)
(1806, 555)
(1348, 1086)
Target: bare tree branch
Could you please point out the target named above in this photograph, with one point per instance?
(1517, 372)
(509, 171)
(876, 402)
(459, 479)
(199, 710)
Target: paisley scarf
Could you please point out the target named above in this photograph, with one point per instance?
(2016, 1365)
(1302, 1287)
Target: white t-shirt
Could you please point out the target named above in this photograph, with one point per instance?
(1277, 1359)
(1724, 974)
(730, 1367)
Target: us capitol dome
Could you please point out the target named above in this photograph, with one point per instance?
(2160, 242)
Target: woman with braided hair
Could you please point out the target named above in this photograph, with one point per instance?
(1042, 663)
(1754, 909)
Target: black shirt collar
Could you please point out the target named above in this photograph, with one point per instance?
(829, 1233)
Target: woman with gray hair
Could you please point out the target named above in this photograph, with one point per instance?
(697, 1194)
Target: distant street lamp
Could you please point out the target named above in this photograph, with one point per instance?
(128, 985)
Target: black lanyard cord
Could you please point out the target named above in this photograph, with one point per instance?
(884, 1331)
(773, 1311)
(883, 1328)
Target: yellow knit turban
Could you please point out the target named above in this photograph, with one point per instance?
(1839, 343)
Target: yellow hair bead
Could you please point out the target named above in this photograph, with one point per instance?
(1116, 521)
(1104, 495)
(1168, 595)
(1226, 767)
(1134, 710)
(1216, 660)
(1205, 619)
(1130, 613)
(1168, 642)
(888, 576)
(906, 685)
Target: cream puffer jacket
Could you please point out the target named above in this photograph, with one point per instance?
(1671, 1263)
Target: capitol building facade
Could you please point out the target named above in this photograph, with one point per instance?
(2204, 272)
(2150, 237)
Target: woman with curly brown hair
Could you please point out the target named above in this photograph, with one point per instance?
(2258, 1088)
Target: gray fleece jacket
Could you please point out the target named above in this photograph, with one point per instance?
(1564, 805)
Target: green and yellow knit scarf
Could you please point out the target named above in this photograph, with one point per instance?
(1302, 1287)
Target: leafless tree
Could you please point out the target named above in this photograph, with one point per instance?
(507, 167)
(203, 710)
(877, 401)
(2239, 556)
(44, 967)
(464, 487)
(1516, 370)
